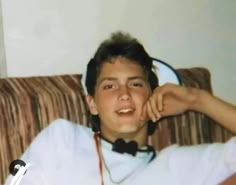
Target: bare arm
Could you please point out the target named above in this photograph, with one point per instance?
(219, 110)
(171, 99)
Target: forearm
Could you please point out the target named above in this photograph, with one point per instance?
(219, 110)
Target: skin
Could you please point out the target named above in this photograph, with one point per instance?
(121, 85)
(171, 99)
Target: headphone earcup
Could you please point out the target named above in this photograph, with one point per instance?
(15, 166)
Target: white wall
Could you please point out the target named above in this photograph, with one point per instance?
(2, 48)
(59, 36)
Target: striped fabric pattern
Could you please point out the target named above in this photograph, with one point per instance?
(190, 128)
(208, 131)
(27, 105)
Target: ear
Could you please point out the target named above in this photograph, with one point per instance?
(92, 105)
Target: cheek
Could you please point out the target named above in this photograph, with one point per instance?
(104, 101)
(142, 96)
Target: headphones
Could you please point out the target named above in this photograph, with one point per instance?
(18, 169)
(130, 147)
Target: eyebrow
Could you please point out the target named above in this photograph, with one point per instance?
(116, 79)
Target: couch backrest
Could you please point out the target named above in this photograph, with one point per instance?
(27, 105)
(190, 128)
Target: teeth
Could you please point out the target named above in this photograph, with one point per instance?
(125, 110)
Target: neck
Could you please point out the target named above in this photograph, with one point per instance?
(121, 146)
(141, 139)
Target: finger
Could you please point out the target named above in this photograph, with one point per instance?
(160, 102)
(154, 107)
(150, 112)
(144, 112)
(159, 93)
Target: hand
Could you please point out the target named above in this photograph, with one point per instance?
(169, 99)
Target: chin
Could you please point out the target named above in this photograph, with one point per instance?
(128, 129)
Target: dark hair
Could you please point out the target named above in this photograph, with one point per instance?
(118, 45)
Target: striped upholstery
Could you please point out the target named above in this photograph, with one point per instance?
(208, 131)
(191, 127)
(27, 105)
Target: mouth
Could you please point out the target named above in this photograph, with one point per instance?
(125, 111)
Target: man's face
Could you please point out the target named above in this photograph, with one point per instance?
(120, 94)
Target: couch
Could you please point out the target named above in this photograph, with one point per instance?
(29, 104)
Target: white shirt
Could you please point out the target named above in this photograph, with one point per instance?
(65, 154)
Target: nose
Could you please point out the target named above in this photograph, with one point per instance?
(124, 93)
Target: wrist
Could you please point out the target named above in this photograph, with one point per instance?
(200, 98)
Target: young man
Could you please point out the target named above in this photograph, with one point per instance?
(123, 97)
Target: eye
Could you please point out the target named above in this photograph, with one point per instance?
(108, 86)
(136, 84)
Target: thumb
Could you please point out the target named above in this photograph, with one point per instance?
(143, 112)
